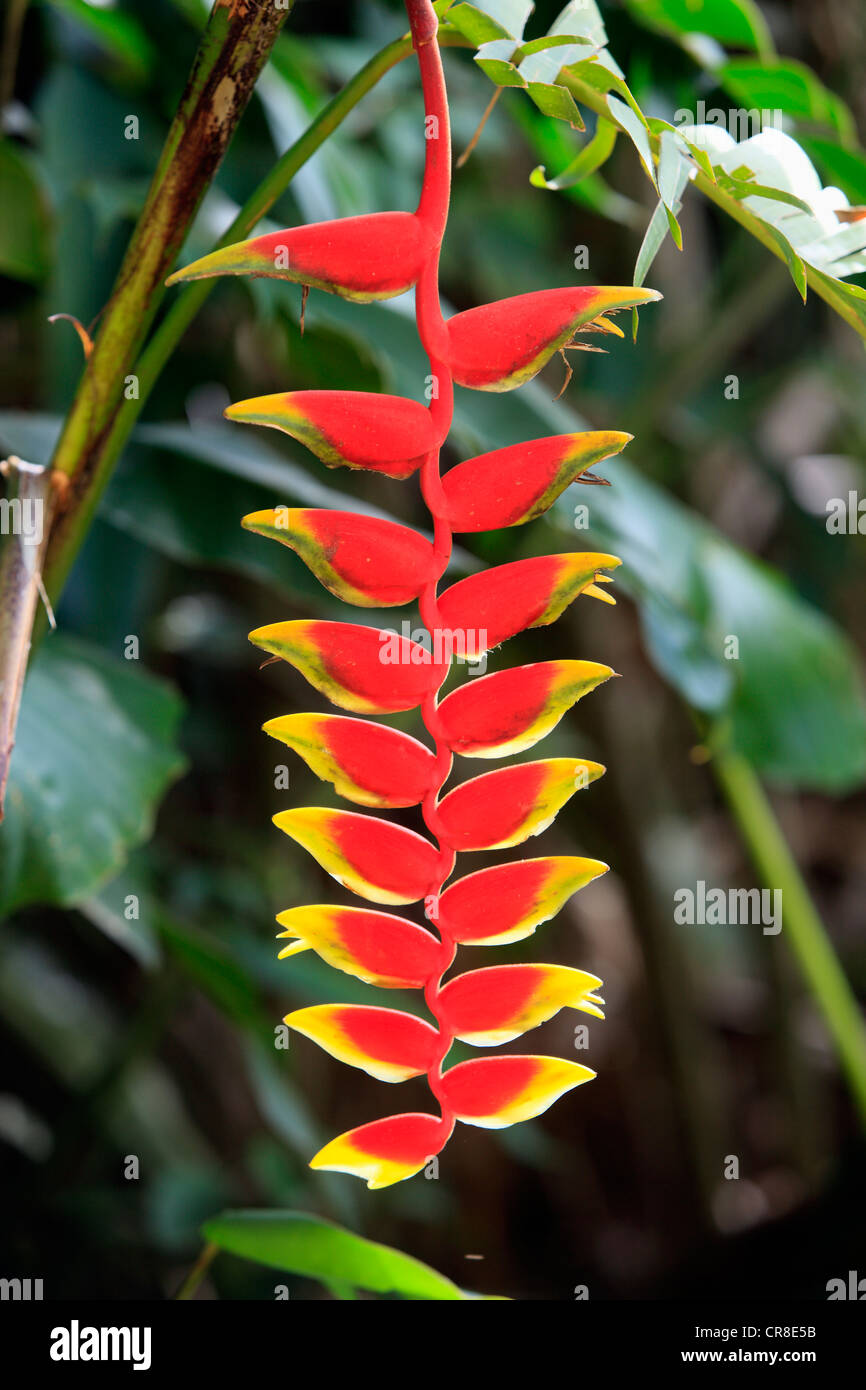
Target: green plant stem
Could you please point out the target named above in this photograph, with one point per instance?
(190, 1284)
(13, 24)
(235, 45)
(804, 929)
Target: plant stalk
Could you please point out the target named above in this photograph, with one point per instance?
(28, 509)
(189, 1287)
(235, 45)
(805, 932)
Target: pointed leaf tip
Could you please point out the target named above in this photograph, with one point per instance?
(502, 345)
(385, 1151)
(366, 258)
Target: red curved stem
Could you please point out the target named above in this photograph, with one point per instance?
(433, 332)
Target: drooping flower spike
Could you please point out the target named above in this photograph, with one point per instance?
(366, 671)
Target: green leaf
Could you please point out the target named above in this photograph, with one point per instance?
(789, 87)
(735, 22)
(745, 187)
(797, 709)
(844, 168)
(593, 155)
(117, 33)
(636, 130)
(25, 252)
(793, 261)
(581, 19)
(301, 1244)
(95, 752)
(495, 19)
(674, 170)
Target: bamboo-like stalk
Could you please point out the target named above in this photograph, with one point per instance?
(29, 496)
(234, 48)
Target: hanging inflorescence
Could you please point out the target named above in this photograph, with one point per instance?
(374, 563)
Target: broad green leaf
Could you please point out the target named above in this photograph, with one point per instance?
(844, 168)
(736, 22)
(95, 752)
(495, 19)
(118, 33)
(306, 1245)
(24, 218)
(797, 710)
(789, 87)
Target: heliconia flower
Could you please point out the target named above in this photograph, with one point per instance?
(358, 429)
(387, 1043)
(503, 808)
(506, 903)
(376, 947)
(385, 1151)
(363, 258)
(493, 1092)
(376, 563)
(369, 763)
(360, 559)
(509, 711)
(510, 486)
(501, 1002)
(489, 607)
(363, 669)
(499, 346)
(369, 856)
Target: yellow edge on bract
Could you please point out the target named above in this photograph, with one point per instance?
(562, 779)
(590, 447)
(290, 641)
(554, 1077)
(565, 690)
(283, 524)
(563, 884)
(341, 1156)
(308, 825)
(608, 299)
(578, 573)
(317, 934)
(307, 735)
(241, 259)
(558, 987)
(320, 1023)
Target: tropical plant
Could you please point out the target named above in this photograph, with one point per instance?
(372, 563)
(114, 921)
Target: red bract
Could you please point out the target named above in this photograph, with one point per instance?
(386, 434)
(360, 258)
(366, 670)
(338, 548)
(517, 484)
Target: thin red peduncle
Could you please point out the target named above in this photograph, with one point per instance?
(433, 332)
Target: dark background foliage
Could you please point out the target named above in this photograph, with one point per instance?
(148, 779)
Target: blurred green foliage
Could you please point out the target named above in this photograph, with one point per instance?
(139, 986)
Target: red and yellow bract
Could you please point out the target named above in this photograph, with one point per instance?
(374, 563)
